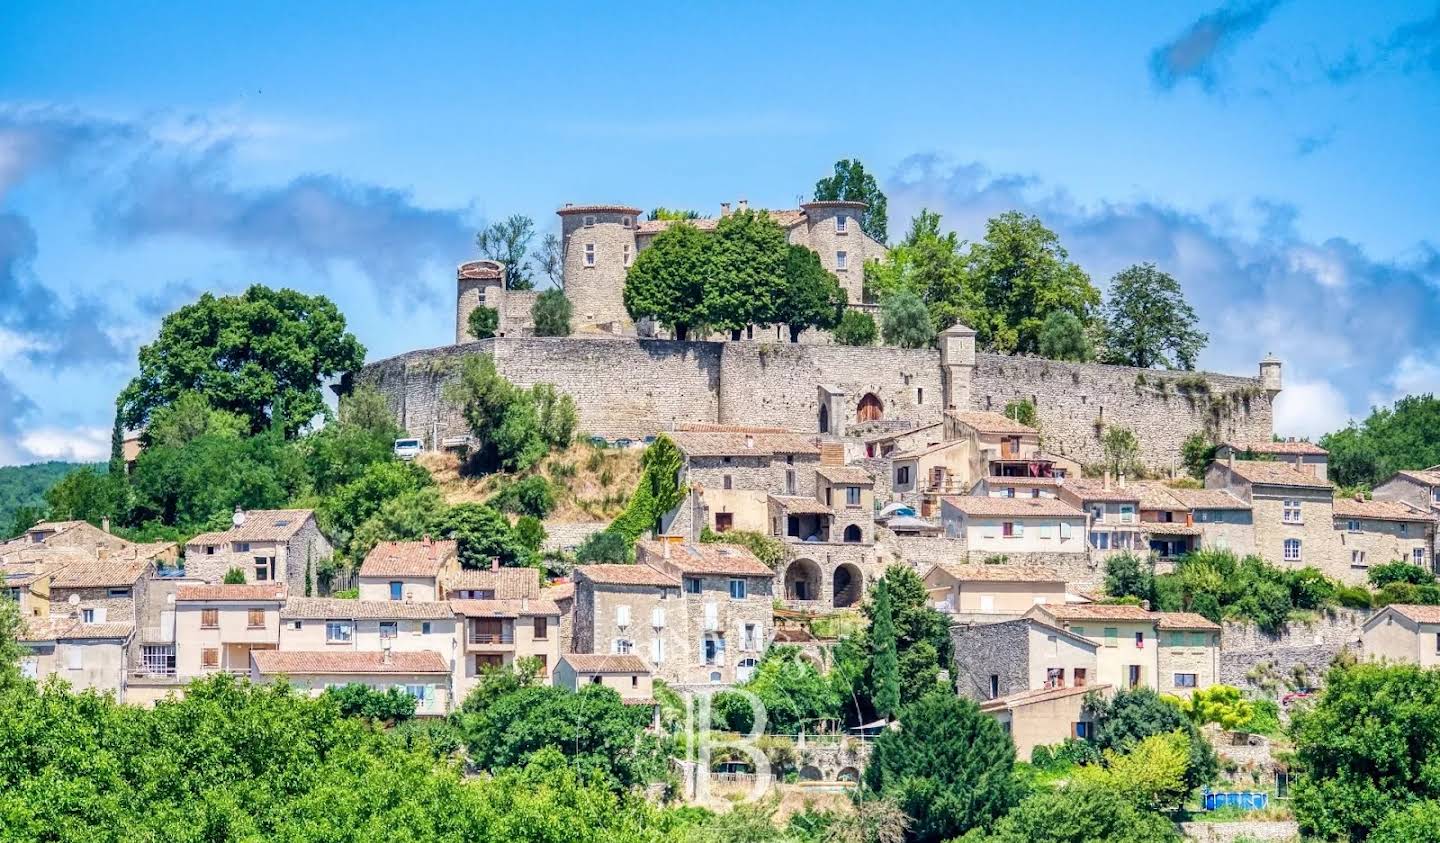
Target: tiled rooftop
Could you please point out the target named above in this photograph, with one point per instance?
(408, 559)
(329, 608)
(321, 662)
(985, 506)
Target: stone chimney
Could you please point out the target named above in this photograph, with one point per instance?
(494, 563)
(744, 204)
(1299, 463)
(1105, 480)
(724, 209)
(105, 523)
(1121, 479)
(385, 655)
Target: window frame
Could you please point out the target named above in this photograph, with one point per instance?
(339, 632)
(842, 223)
(1299, 550)
(842, 260)
(250, 618)
(738, 584)
(1291, 512)
(209, 618)
(589, 256)
(397, 590)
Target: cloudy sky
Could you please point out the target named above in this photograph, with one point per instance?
(1279, 158)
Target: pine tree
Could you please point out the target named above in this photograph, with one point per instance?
(884, 661)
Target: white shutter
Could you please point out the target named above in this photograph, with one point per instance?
(657, 651)
(100, 614)
(73, 657)
(1046, 531)
(720, 652)
(1019, 529)
(622, 615)
(712, 616)
(1064, 530)
(657, 617)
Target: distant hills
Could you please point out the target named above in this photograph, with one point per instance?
(25, 485)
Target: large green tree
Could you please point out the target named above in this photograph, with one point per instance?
(884, 659)
(353, 503)
(501, 415)
(198, 485)
(1083, 813)
(1018, 275)
(364, 433)
(929, 264)
(1368, 746)
(750, 261)
(483, 322)
(245, 354)
(1063, 337)
(1403, 436)
(551, 314)
(508, 241)
(86, 494)
(856, 328)
(949, 766)
(1126, 719)
(850, 183)
(1149, 323)
(793, 693)
(667, 281)
(812, 297)
(483, 534)
(905, 321)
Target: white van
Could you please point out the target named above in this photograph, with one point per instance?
(408, 449)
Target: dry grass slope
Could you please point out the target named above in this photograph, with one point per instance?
(591, 484)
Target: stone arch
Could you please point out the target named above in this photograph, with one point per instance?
(870, 408)
(852, 533)
(848, 774)
(811, 773)
(849, 586)
(824, 419)
(803, 580)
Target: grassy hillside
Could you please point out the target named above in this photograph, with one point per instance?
(25, 485)
(591, 484)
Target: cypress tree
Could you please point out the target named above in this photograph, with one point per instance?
(884, 661)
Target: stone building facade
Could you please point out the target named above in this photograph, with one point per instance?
(271, 545)
(1001, 659)
(1189, 652)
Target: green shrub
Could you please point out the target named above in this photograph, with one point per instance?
(356, 700)
(1353, 596)
(766, 549)
(531, 495)
(1399, 571)
(604, 546)
(483, 322)
(856, 328)
(234, 576)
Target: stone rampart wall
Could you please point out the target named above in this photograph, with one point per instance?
(1075, 402)
(1244, 647)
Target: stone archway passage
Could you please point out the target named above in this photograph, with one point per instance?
(849, 774)
(811, 773)
(871, 408)
(849, 586)
(802, 580)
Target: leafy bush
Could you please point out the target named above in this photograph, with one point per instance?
(1022, 410)
(767, 549)
(551, 314)
(1127, 575)
(1216, 584)
(234, 576)
(1131, 716)
(1404, 592)
(356, 700)
(531, 495)
(1399, 571)
(856, 328)
(530, 531)
(483, 322)
(905, 321)
(1264, 718)
(1353, 596)
(1064, 755)
(604, 546)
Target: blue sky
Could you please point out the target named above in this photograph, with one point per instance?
(1277, 157)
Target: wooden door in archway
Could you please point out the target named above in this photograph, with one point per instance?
(870, 409)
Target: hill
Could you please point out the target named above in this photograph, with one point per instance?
(25, 485)
(591, 484)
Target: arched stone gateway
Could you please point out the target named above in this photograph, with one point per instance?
(871, 408)
(810, 773)
(802, 580)
(849, 586)
(849, 774)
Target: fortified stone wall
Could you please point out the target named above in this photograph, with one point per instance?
(627, 387)
(1244, 648)
(1075, 402)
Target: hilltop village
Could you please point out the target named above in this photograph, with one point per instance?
(1032, 534)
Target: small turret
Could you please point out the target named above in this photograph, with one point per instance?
(1270, 375)
(957, 360)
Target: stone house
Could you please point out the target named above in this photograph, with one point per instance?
(28, 585)
(732, 474)
(105, 590)
(216, 629)
(1403, 633)
(421, 673)
(699, 614)
(1189, 650)
(1374, 532)
(1044, 717)
(849, 491)
(323, 623)
(495, 583)
(1419, 489)
(999, 446)
(1114, 511)
(1124, 635)
(1293, 513)
(890, 442)
(1224, 520)
(495, 633)
(991, 589)
(408, 570)
(267, 545)
(1003, 526)
(1307, 457)
(828, 575)
(994, 660)
(88, 656)
(628, 676)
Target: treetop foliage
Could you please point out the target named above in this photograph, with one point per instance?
(850, 183)
(1148, 322)
(1403, 436)
(508, 241)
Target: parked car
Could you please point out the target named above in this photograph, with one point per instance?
(408, 449)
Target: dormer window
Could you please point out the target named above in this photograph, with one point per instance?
(842, 224)
(589, 221)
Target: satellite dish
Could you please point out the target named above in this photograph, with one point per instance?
(238, 518)
(73, 600)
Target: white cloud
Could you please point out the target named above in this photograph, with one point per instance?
(82, 444)
(1310, 409)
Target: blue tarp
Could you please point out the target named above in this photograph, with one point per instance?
(1245, 800)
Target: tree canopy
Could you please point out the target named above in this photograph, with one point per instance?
(247, 355)
(483, 322)
(850, 183)
(1126, 719)
(1403, 436)
(1148, 322)
(551, 314)
(749, 271)
(667, 280)
(1063, 337)
(812, 297)
(856, 328)
(508, 241)
(905, 321)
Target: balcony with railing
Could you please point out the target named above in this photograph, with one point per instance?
(490, 635)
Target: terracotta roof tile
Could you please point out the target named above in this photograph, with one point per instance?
(855, 475)
(1037, 695)
(1094, 612)
(408, 559)
(1171, 528)
(1424, 476)
(1378, 510)
(708, 558)
(1275, 473)
(559, 592)
(484, 270)
(1185, 620)
(603, 663)
(617, 574)
(329, 608)
(1208, 499)
(260, 525)
(506, 583)
(1001, 573)
(799, 504)
(101, 573)
(984, 422)
(248, 592)
(716, 444)
(504, 608)
(1157, 496)
(1417, 613)
(320, 662)
(984, 506)
(62, 628)
(1094, 490)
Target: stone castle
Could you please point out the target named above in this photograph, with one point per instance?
(627, 385)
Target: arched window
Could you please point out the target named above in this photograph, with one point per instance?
(852, 533)
(824, 419)
(1292, 550)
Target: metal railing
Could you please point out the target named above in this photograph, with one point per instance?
(491, 637)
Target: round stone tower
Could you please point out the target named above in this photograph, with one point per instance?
(598, 247)
(477, 283)
(1270, 375)
(832, 229)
